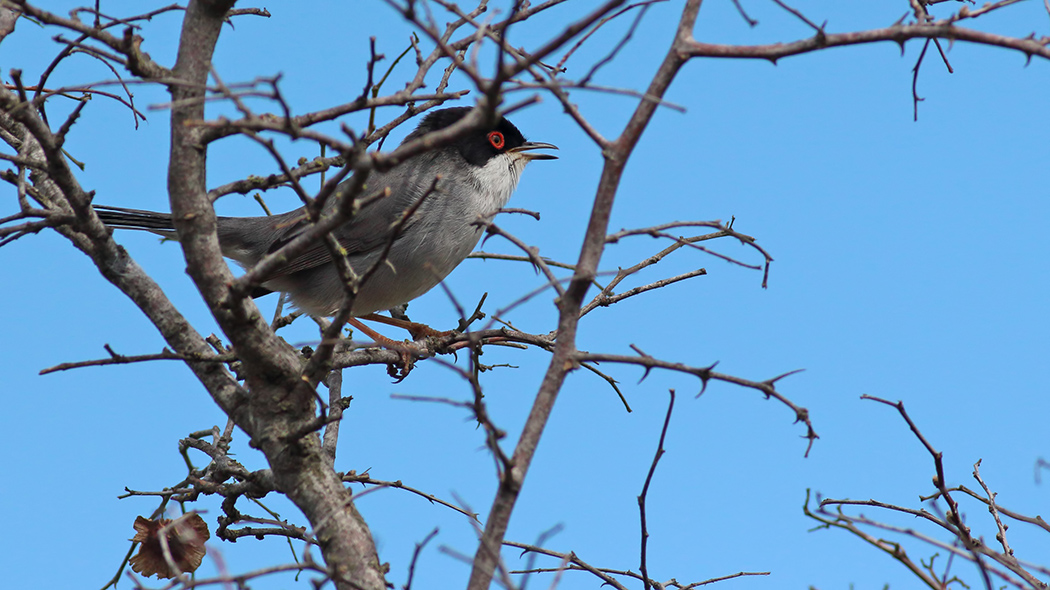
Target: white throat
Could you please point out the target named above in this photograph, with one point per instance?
(497, 180)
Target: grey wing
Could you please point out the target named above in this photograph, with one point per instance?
(366, 233)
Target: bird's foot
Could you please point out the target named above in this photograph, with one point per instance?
(416, 330)
(407, 351)
(398, 371)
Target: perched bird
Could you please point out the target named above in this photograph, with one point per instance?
(475, 178)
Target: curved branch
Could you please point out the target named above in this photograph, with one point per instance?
(562, 361)
(899, 34)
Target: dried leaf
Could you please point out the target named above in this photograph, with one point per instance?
(185, 538)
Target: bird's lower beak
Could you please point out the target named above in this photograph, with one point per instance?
(535, 145)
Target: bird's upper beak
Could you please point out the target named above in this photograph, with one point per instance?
(534, 145)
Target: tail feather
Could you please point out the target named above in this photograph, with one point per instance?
(244, 239)
(121, 218)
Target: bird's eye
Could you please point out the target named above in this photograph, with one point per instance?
(496, 139)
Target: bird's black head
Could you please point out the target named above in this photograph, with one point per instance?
(476, 148)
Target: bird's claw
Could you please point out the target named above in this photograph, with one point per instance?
(407, 361)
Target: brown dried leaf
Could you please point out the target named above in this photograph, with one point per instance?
(185, 538)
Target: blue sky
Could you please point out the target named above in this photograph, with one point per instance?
(910, 263)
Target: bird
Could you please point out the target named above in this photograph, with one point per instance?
(451, 188)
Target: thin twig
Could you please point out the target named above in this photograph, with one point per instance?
(644, 553)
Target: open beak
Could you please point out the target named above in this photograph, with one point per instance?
(535, 145)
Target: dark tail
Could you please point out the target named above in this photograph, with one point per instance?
(121, 218)
(151, 221)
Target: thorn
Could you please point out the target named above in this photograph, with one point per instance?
(705, 376)
(779, 377)
(703, 386)
(644, 375)
(643, 355)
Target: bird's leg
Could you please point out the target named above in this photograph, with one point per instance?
(407, 352)
(416, 330)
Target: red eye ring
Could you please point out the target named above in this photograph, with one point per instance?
(496, 139)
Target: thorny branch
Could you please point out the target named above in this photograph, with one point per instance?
(574, 563)
(1006, 568)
